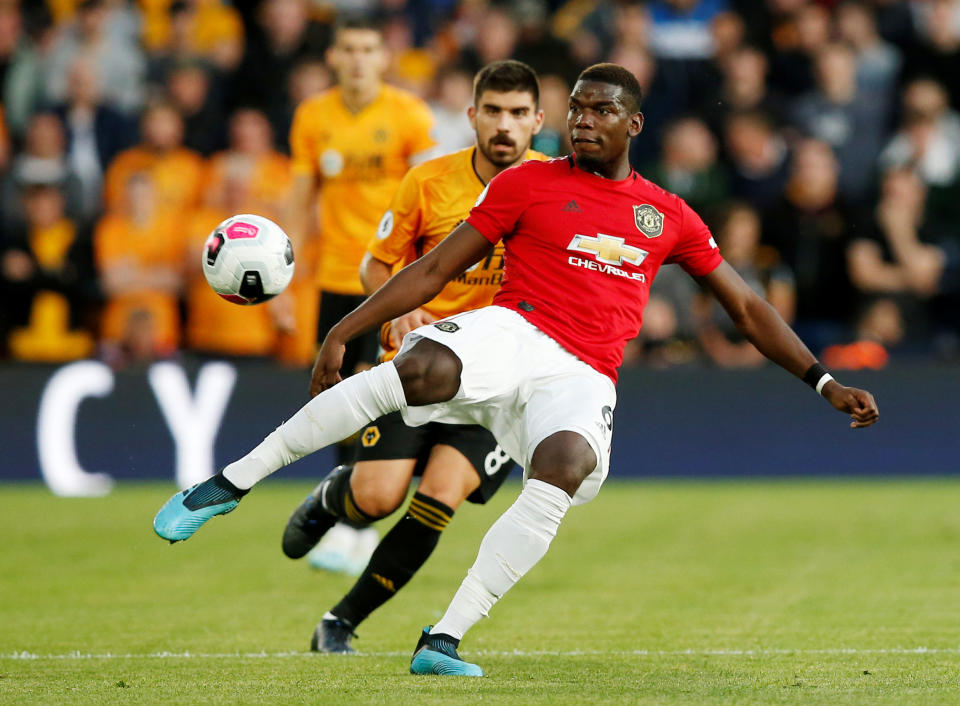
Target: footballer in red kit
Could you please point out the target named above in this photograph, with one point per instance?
(584, 237)
(573, 237)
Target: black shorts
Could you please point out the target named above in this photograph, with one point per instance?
(388, 438)
(362, 349)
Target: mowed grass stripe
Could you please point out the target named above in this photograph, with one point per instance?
(833, 592)
(492, 653)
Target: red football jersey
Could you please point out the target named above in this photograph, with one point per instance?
(582, 250)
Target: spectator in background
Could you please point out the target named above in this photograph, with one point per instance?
(803, 32)
(42, 160)
(189, 29)
(283, 38)
(411, 67)
(554, 137)
(738, 236)
(47, 282)
(811, 227)
(452, 96)
(681, 38)
(496, 39)
(682, 29)
(885, 287)
(200, 107)
(688, 166)
(928, 142)
(669, 103)
(937, 51)
(743, 87)
(758, 158)
(96, 133)
(878, 62)
(851, 121)
(912, 257)
(668, 333)
(213, 325)
(119, 64)
(308, 78)
(631, 25)
(538, 47)
(266, 176)
(21, 82)
(175, 172)
(139, 253)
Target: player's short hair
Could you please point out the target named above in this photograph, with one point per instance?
(357, 21)
(616, 75)
(504, 76)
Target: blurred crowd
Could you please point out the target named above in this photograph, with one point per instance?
(820, 140)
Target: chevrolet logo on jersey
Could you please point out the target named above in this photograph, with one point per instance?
(608, 249)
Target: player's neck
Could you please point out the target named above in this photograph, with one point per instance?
(487, 170)
(356, 98)
(615, 171)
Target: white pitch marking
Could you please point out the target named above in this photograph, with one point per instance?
(27, 656)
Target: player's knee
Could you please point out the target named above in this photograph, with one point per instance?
(429, 373)
(377, 501)
(451, 487)
(563, 459)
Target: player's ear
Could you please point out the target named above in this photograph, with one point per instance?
(538, 126)
(635, 126)
(472, 116)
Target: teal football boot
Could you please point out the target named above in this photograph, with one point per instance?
(185, 512)
(437, 654)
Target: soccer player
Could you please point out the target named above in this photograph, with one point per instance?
(353, 143)
(458, 462)
(584, 236)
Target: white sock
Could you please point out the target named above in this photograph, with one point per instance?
(510, 549)
(332, 415)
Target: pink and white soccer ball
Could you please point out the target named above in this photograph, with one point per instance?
(248, 259)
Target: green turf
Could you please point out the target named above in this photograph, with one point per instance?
(699, 593)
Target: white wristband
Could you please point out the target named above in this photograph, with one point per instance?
(827, 377)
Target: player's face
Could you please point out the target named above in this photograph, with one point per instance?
(505, 124)
(358, 58)
(601, 123)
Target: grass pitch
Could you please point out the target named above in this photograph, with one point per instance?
(661, 593)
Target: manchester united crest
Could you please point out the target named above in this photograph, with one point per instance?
(648, 219)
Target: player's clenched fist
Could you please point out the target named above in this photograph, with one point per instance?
(859, 404)
(402, 325)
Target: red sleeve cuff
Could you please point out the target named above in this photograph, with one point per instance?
(485, 227)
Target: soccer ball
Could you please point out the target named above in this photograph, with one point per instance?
(248, 259)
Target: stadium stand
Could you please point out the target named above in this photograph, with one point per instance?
(819, 138)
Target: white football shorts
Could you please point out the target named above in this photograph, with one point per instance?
(521, 385)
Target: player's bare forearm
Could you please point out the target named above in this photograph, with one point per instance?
(408, 289)
(771, 335)
(374, 273)
(415, 284)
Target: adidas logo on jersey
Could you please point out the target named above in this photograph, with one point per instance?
(571, 207)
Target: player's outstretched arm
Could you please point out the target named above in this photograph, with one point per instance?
(764, 328)
(411, 287)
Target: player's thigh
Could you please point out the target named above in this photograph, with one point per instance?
(568, 426)
(386, 453)
(466, 463)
